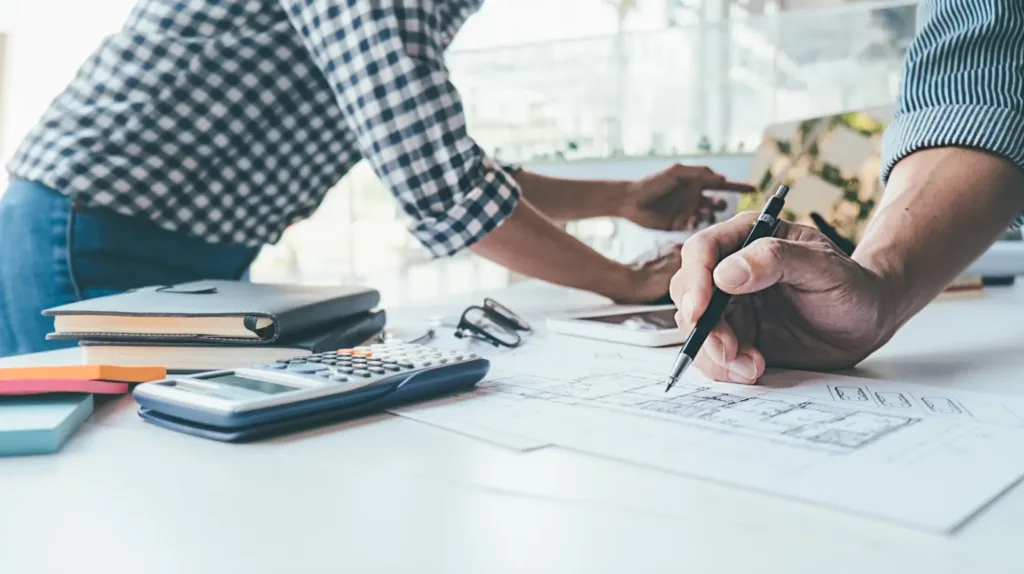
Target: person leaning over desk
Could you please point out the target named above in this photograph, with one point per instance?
(954, 171)
(206, 127)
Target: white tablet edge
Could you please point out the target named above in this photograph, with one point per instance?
(570, 324)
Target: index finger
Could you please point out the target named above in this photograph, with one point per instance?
(701, 254)
(726, 185)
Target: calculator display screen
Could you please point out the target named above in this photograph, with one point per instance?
(247, 385)
(640, 321)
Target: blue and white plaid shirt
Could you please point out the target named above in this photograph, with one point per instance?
(229, 120)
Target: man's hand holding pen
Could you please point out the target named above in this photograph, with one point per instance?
(798, 301)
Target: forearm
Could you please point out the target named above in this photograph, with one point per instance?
(570, 200)
(530, 244)
(942, 208)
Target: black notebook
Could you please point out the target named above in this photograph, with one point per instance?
(205, 312)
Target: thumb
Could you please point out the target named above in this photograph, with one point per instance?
(806, 265)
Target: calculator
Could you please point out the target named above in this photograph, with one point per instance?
(291, 394)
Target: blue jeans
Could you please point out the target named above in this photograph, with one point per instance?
(52, 253)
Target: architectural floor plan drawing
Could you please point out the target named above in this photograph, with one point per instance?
(915, 400)
(923, 457)
(791, 419)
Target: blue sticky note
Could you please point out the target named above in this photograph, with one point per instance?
(40, 424)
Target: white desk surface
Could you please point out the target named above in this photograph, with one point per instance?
(387, 494)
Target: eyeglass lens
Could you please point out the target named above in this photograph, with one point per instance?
(516, 322)
(482, 324)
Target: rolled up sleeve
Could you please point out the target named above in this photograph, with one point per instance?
(963, 82)
(384, 62)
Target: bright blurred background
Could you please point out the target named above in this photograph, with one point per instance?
(577, 88)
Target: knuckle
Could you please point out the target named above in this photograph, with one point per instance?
(771, 249)
(682, 323)
(807, 233)
(697, 244)
(675, 287)
(746, 217)
(764, 256)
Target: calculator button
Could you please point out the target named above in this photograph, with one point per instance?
(346, 370)
(376, 370)
(307, 368)
(339, 379)
(275, 366)
(392, 367)
(362, 373)
(324, 374)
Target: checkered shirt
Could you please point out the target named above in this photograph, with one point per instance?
(229, 120)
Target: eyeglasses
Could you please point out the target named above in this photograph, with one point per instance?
(492, 323)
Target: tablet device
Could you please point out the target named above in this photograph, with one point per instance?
(644, 326)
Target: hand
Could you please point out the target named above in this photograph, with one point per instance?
(673, 199)
(650, 276)
(799, 301)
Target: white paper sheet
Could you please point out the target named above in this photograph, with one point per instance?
(924, 457)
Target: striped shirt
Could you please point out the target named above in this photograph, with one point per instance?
(228, 120)
(963, 82)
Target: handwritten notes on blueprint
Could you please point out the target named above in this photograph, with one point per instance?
(923, 457)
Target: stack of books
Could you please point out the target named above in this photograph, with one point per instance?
(209, 325)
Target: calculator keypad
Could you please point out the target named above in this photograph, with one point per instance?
(375, 361)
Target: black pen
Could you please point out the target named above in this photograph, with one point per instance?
(765, 226)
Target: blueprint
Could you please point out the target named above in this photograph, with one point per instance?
(924, 457)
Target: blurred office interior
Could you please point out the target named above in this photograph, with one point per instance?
(579, 88)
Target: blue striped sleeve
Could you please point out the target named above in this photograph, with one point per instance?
(963, 82)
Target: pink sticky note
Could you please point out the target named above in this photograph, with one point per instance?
(42, 386)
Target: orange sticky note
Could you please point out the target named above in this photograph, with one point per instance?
(88, 372)
(44, 386)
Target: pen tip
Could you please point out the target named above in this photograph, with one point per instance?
(669, 383)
